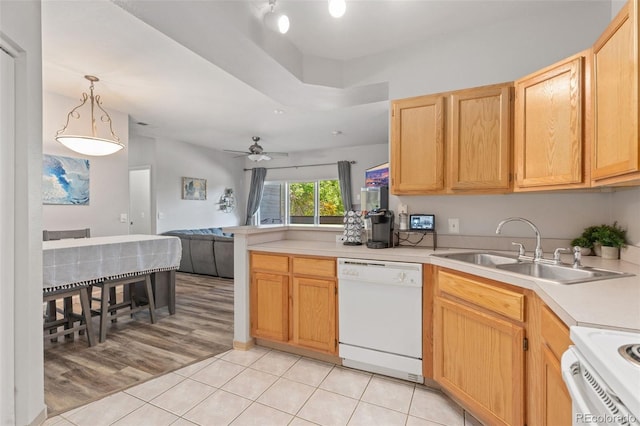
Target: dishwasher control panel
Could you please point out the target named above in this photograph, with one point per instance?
(373, 271)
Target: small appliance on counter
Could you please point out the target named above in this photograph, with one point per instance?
(380, 232)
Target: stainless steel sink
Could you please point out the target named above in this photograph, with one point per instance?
(563, 274)
(557, 273)
(482, 258)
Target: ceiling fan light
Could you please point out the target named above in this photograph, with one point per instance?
(337, 8)
(258, 157)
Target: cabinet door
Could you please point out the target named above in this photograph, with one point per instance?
(549, 127)
(615, 99)
(556, 400)
(479, 358)
(417, 145)
(270, 306)
(314, 313)
(480, 139)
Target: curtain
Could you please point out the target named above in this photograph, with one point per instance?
(255, 192)
(344, 177)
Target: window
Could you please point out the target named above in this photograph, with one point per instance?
(312, 203)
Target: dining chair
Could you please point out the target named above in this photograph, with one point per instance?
(132, 300)
(68, 316)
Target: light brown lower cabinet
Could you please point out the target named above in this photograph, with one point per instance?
(314, 313)
(555, 401)
(270, 306)
(479, 356)
(293, 300)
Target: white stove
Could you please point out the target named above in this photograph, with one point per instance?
(602, 372)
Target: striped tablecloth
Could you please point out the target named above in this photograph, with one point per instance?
(84, 261)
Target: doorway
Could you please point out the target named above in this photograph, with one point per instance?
(140, 200)
(7, 236)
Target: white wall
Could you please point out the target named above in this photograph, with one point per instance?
(109, 184)
(503, 52)
(20, 34)
(624, 207)
(175, 160)
(558, 215)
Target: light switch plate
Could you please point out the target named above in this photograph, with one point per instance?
(454, 225)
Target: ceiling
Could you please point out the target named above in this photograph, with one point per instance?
(208, 72)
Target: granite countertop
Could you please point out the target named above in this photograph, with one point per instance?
(613, 303)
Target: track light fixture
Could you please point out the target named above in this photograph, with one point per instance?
(276, 21)
(337, 8)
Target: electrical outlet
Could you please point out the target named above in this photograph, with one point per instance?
(123, 218)
(454, 225)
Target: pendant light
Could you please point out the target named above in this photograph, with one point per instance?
(90, 144)
(337, 8)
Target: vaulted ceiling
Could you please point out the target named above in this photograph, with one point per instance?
(209, 72)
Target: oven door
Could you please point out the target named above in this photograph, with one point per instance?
(594, 404)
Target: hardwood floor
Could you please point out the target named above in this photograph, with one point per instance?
(136, 350)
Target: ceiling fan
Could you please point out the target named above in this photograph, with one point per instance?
(256, 152)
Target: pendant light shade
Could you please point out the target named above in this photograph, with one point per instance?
(337, 8)
(90, 143)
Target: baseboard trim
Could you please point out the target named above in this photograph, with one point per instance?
(243, 346)
(309, 353)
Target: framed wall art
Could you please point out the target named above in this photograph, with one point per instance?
(377, 176)
(65, 180)
(194, 188)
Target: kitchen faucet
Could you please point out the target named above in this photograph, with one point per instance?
(538, 252)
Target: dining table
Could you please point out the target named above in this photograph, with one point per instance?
(82, 262)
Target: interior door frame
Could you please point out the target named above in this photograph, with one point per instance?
(7, 234)
(152, 222)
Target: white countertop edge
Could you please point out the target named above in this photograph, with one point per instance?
(561, 298)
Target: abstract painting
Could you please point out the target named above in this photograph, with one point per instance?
(65, 180)
(194, 189)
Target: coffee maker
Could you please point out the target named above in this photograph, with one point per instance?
(380, 232)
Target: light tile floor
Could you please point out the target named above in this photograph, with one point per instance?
(268, 387)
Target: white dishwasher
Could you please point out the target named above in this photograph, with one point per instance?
(380, 317)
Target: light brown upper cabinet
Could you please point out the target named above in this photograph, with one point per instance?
(479, 139)
(550, 138)
(477, 142)
(616, 155)
(417, 145)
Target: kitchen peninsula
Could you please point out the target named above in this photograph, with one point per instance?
(608, 303)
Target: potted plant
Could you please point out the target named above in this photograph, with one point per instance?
(611, 238)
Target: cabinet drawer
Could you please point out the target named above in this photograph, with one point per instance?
(270, 262)
(320, 267)
(496, 299)
(554, 332)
